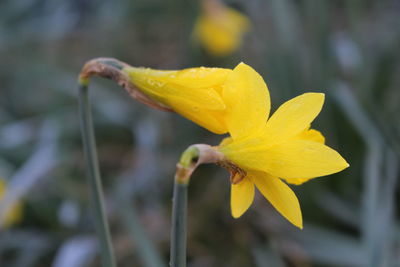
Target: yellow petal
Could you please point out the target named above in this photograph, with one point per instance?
(248, 103)
(293, 159)
(242, 195)
(198, 85)
(293, 117)
(279, 195)
(194, 93)
(213, 121)
(297, 181)
(312, 135)
(200, 77)
(226, 141)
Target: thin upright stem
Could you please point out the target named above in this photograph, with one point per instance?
(185, 167)
(179, 225)
(189, 161)
(92, 168)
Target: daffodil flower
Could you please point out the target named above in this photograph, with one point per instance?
(14, 214)
(194, 93)
(220, 29)
(262, 152)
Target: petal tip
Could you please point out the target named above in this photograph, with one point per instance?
(236, 214)
(346, 164)
(319, 95)
(242, 65)
(298, 222)
(316, 95)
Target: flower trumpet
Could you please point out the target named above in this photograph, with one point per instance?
(194, 93)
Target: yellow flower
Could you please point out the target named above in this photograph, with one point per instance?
(220, 29)
(14, 214)
(195, 93)
(261, 152)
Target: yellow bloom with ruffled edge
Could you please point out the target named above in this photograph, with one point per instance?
(220, 29)
(14, 214)
(270, 150)
(194, 93)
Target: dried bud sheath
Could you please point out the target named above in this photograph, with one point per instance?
(111, 68)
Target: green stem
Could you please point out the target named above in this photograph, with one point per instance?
(185, 167)
(179, 225)
(92, 168)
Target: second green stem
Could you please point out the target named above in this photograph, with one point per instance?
(179, 225)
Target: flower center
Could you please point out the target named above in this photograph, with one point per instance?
(237, 173)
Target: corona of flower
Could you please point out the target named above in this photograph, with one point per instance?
(220, 29)
(262, 152)
(195, 93)
(15, 212)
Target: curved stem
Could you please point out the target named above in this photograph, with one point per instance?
(92, 168)
(185, 167)
(191, 158)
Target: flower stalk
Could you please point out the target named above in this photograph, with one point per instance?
(179, 225)
(191, 158)
(92, 168)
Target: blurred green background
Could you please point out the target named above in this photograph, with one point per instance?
(348, 49)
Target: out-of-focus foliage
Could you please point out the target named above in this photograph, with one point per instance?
(346, 49)
(14, 214)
